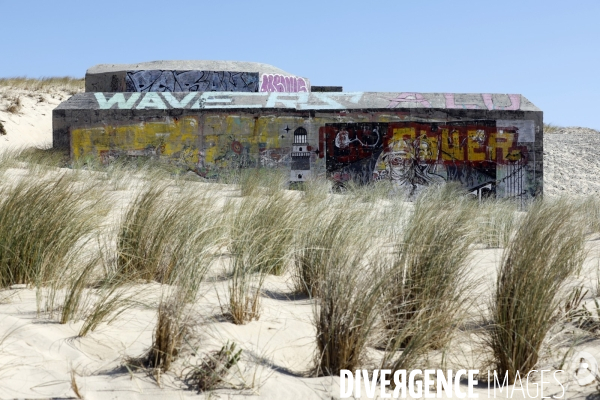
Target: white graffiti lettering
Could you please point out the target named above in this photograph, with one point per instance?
(176, 103)
(151, 100)
(118, 99)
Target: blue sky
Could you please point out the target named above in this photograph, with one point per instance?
(549, 50)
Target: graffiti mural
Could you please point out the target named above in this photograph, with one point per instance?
(415, 155)
(301, 153)
(174, 140)
(351, 150)
(191, 81)
(414, 140)
(282, 83)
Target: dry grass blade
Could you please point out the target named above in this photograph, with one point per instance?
(75, 386)
(546, 250)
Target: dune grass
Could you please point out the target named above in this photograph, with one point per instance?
(496, 222)
(67, 83)
(407, 302)
(547, 249)
(254, 181)
(324, 227)
(551, 128)
(212, 368)
(14, 105)
(261, 230)
(315, 189)
(43, 223)
(426, 290)
(333, 265)
(163, 232)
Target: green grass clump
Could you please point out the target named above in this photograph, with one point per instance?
(42, 225)
(324, 227)
(426, 290)
(162, 233)
(261, 230)
(547, 249)
(348, 293)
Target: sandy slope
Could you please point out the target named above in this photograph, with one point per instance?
(38, 355)
(32, 124)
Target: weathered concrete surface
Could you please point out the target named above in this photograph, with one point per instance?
(314, 88)
(412, 139)
(185, 75)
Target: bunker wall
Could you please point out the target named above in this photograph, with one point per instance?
(359, 136)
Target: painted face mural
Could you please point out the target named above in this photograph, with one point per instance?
(415, 155)
(405, 163)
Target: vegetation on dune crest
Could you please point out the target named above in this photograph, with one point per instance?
(70, 84)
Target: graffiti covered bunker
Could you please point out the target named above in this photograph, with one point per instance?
(211, 116)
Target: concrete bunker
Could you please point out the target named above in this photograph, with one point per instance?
(210, 116)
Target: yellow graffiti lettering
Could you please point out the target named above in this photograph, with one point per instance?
(476, 147)
(166, 138)
(401, 134)
(451, 146)
(503, 141)
(429, 147)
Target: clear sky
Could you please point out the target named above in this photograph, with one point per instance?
(547, 50)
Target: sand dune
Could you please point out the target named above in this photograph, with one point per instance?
(40, 358)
